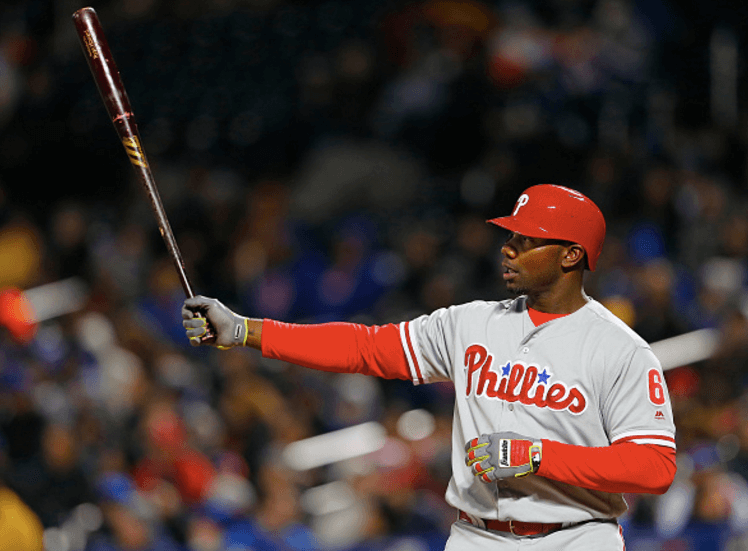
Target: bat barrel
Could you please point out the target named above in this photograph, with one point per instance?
(101, 62)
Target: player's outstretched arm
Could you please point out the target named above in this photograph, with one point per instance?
(230, 328)
(334, 347)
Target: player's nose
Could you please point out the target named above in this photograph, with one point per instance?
(508, 251)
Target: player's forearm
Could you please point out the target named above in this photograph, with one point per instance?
(620, 468)
(334, 347)
(254, 333)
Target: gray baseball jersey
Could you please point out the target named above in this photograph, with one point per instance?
(585, 379)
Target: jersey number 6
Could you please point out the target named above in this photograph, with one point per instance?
(656, 388)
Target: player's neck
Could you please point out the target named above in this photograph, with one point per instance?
(562, 301)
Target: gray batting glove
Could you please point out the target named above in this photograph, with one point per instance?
(492, 457)
(199, 314)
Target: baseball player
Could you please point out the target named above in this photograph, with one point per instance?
(560, 407)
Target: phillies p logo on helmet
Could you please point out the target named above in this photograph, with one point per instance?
(521, 202)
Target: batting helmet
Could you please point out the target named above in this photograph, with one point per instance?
(556, 212)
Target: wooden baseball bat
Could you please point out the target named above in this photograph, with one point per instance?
(113, 93)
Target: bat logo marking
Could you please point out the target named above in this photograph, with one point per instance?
(134, 151)
(90, 47)
(122, 116)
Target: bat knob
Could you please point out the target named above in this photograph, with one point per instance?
(209, 337)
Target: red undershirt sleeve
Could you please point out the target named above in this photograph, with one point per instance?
(337, 347)
(621, 468)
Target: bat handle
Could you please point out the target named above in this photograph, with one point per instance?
(210, 333)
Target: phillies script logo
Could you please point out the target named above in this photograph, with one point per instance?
(518, 383)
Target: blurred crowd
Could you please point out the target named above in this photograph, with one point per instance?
(337, 160)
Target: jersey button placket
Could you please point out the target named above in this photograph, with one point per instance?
(525, 350)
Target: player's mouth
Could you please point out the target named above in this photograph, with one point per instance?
(508, 273)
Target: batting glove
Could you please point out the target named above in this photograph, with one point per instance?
(492, 457)
(201, 313)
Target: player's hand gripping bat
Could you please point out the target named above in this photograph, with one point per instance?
(108, 81)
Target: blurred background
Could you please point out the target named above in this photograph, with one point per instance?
(337, 160)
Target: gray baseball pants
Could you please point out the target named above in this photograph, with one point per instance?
(589, 536)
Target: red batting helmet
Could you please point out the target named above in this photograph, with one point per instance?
(556, 212)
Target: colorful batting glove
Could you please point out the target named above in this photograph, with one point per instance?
(200, 312)
(492, 457)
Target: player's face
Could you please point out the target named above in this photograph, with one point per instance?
(531, 265)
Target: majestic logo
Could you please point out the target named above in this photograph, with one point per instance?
(526, 384)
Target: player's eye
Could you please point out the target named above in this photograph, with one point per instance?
(517, 240)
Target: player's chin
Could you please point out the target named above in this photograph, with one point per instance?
(516, 290)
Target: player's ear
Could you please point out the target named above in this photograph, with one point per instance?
(574, 257)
